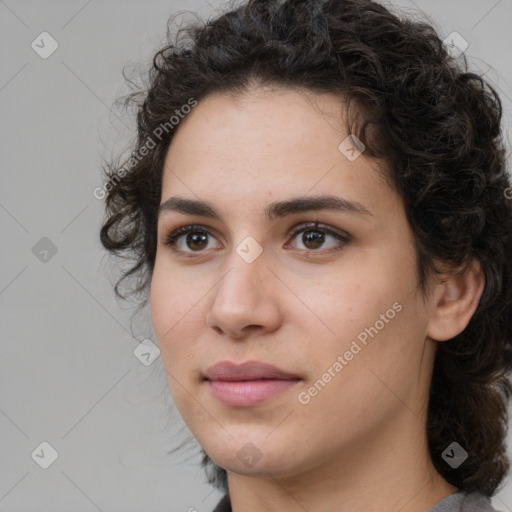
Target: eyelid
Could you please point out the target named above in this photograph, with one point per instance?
(321, 227)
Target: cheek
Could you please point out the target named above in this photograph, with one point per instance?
(380, 335)
(345, 303)
(171, 310)
(163, 304)
(174, 333)
(370, 310)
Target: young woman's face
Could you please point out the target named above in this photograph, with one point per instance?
(335, 306)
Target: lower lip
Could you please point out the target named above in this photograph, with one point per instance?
(246, 393)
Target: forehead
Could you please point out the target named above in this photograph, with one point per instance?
(268, 144)
(267, 117)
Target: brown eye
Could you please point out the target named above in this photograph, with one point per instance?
(316, 236)
(196, 239)
(313, 239)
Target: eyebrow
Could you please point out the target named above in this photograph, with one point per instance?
(272, 211)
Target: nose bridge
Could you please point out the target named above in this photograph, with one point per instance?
(246, 265)
(241, 298)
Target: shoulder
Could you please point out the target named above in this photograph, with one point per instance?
(462, 501)
(476, 502)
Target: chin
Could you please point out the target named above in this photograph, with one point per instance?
(252, 457)
(260, 468)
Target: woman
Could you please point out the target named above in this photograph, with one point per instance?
(319, 214)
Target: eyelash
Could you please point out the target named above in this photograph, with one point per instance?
(171, 238)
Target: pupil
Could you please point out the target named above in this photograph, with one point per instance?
(313, 237)
(198, 240)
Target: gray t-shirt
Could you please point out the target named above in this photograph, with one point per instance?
(460, 501)
(464, 502)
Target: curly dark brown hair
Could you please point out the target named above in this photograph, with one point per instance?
(437, 126)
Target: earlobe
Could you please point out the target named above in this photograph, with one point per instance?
(454, 302)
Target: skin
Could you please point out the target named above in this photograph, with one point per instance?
(360, 443)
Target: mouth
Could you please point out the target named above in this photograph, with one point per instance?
(248, 384)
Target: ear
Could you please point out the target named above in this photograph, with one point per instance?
(454, 302)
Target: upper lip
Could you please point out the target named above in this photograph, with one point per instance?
(251, 370)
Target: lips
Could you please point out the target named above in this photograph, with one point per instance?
(251, 370)
(248, 384)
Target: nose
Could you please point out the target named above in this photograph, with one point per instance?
(246, 300)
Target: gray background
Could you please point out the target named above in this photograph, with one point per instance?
(68, 372)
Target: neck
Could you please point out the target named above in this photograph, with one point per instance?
(377, 474)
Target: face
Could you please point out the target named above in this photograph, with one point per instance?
(273, 272)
